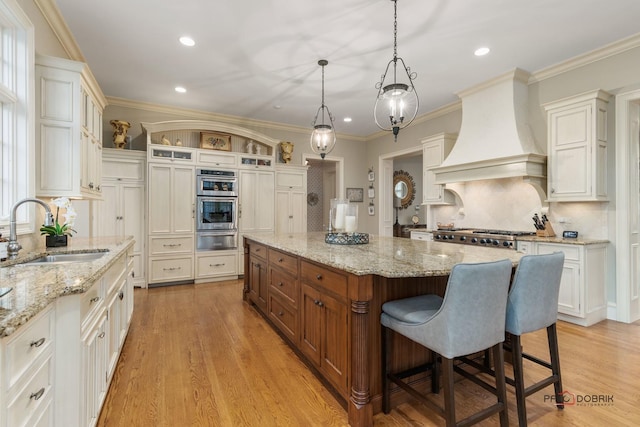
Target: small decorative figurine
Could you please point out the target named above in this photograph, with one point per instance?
(250, 147)
(178, 142)
(286, 148)
(165, 141)
(120, 128)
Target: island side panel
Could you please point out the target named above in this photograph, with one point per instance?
(407, 353)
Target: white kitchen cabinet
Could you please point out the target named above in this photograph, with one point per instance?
(256, 208)
(83, 336)
(171, 199)
(171, 214)
(216, 265)
(69, 106)
(27, 373)
(421, 235)
(577, 148)
(122, 211)
(582, 298)
(291, 199)
(435, 149)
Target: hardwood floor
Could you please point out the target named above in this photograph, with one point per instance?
(196, 355)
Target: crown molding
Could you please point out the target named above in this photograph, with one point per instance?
(58, 25)
(204, 115)
(606, 51)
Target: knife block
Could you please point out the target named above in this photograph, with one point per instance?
(547, 232)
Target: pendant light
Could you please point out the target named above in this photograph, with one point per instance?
(397, 102)
(323, 137)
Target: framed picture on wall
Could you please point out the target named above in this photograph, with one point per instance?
(371, 192)
(355, 194)
(372, 176)
(372, 210)
(215, 141)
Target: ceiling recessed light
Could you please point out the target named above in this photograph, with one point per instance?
(482, 51)
(347, 119)
(187, 41)
(180, 89)
(277, 107)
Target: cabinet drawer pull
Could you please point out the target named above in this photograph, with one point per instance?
(37, 343)
(320, 304)
(101, 334)
(171, 268)
(217, 265)
(121, 295)
(319, 277)
(171, 245)
(280, 284)
(281, 313)
(94, 299)
(37, 395)
(280, 260)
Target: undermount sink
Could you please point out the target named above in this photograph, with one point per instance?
(67, 258)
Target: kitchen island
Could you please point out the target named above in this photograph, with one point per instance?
(325, 300)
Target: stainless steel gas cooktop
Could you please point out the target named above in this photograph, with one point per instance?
(481, 237)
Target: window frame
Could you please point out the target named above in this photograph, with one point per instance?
(17, 116)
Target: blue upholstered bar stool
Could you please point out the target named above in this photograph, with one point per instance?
(533, 305)
(470, 318)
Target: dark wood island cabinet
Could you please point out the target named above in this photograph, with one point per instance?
(325, 301)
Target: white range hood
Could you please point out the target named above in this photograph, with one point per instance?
(495, 140)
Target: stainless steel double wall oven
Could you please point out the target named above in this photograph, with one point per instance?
(216, 210)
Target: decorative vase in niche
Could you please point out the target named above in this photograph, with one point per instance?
(56, 241)
(120, 128)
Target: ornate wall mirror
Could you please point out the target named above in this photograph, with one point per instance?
(404, 188)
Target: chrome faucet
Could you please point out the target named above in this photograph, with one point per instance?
(14, 247)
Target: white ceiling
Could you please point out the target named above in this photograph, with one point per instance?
(252, 56)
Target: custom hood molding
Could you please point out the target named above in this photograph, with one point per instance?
(495, 140)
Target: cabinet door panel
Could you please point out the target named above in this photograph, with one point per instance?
(108, 211)
(159, 199)
(311, 324)
(131, 219)
(183, 200)
(335, 342)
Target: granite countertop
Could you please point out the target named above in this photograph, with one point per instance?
(391, 257)
(560, 239)
(36, 286)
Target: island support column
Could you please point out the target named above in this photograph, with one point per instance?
(360, 406)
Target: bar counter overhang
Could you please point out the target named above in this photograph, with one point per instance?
(387, 268)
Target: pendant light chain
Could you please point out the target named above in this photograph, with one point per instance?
(397, 102)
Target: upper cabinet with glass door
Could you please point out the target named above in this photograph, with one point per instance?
(69, 106)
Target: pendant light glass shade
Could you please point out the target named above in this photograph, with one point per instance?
(397, 101)
(323, 137)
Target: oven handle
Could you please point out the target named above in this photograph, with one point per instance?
(232, 232)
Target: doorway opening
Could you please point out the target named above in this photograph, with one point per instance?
(324, 182)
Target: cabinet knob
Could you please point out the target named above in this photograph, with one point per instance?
(121, 295)
(37, 395)
(281, 313)
(280, 284)
(319, 277)
(280, 259)
(37, 343)
(102, 334)
(94, 299)
(320, 304)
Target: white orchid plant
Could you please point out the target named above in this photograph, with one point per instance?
(69, 218)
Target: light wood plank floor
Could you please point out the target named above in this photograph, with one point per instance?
(196, 355)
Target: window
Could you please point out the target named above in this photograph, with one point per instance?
(16, 113)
